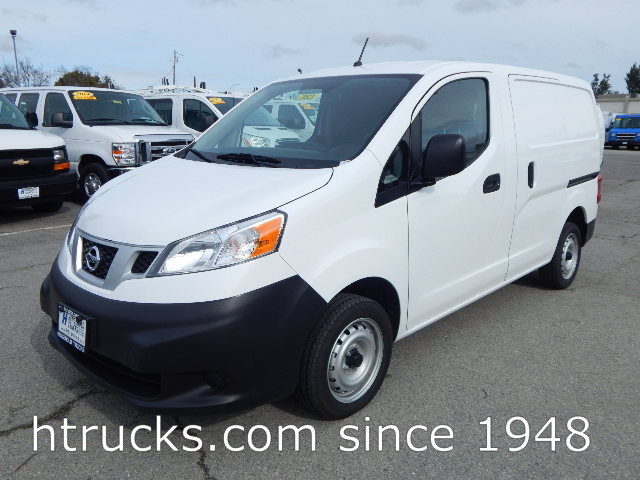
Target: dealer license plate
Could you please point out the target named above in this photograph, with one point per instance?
(72, 327)
(28, 192)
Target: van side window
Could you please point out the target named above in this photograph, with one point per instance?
(290, 117)
(393, 182)
(11, 97)
(55, 103)
(164, 107)
(28, 102)
(197, 115)
(460, 107)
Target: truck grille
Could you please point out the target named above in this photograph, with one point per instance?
(97, 265)
(150, 151)
(626, 136)
(19, 164)
(143, 262)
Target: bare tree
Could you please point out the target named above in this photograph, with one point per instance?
(30, 75)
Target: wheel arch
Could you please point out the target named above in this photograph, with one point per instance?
(579, 218)
(381, 291)
(89, 158)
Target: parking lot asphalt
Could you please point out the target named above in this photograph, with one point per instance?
(522, 351)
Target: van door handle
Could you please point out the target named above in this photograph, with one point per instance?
(492, 183)
(530, 175)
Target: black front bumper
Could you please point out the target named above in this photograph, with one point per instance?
(52, 187)
(216, 356)
(623, 143)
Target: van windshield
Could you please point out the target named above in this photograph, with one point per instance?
(629, 122)
(347, 113)
(104, 107)
(11, 116)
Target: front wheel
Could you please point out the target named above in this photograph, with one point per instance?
(563, 267)
(347, 357)
(92, 177)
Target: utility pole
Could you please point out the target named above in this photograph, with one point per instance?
(175, 61)
(15, 54)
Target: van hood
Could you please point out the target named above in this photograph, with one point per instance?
(13, 139)
(128, 133)
(174, 198)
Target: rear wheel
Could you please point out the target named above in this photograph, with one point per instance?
(563, 267)
(92, 177)
(48, 207)
(347, 357)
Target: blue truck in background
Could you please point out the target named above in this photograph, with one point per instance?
(624, 131)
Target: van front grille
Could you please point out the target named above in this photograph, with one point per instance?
(150, 151)
(626, 136)
(97, 258)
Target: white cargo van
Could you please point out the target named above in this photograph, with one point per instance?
(194, 110)
(252, 272)
(107, 132)
(34, 168)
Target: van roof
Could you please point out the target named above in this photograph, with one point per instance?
(60, 89)
(428, 66)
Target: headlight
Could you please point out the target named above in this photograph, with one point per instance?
(59, 156)
(224, 246)
(124, 154)
(254, 141)
(60, 161)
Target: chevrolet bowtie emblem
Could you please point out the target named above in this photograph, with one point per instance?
(21, 162)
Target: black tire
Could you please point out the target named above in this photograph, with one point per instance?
(48, 207)
(560, 272)
(92, 177)
(364, 320)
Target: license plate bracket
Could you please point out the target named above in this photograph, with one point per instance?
(72, 327)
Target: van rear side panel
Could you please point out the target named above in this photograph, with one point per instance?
(558, 140)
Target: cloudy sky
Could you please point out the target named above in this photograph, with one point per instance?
(251, 42)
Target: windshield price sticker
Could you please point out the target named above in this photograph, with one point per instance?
(307, 106)
(307, 96)
(83, 96)
(216, 100)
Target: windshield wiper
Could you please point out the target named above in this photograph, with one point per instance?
(198, 154)
(147, 120)
(124, 122)
(10, 125)
(250, 159)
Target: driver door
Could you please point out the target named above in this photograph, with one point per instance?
(460, 228)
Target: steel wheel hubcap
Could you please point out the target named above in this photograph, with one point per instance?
(92, 183)
(355, 360)
(570, 252)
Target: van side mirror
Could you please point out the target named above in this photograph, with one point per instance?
(57, 120)
(444, 156)
(32, 119)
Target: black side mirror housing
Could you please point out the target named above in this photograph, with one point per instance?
(32, 119)
(445, 155)
(57, 120)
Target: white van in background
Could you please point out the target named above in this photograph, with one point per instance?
(107, 132)
(194, 110)
(264, 270)
(34, 168)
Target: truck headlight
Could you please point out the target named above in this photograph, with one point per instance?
(255, 141)
(124, 154)
(60, 161)
(224, 246)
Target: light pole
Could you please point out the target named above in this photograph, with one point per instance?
(231, 88)
(15, 54)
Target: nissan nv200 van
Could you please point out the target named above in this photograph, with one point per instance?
(107, 132)
(34, 168)
(250, 272)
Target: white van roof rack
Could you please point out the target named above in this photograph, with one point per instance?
(182, 89)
